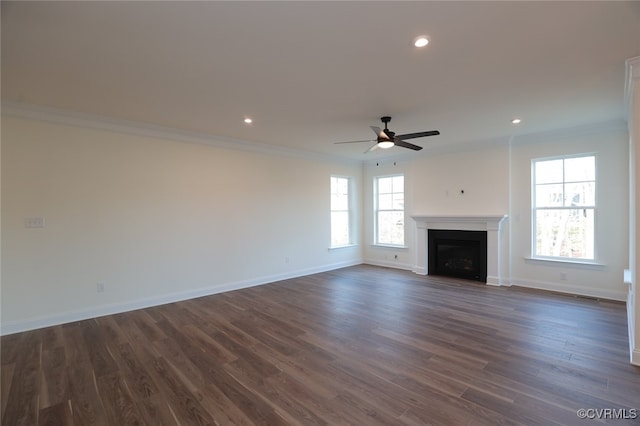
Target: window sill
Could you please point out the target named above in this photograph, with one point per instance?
(391, 246)
(568, 262)
(342, 247)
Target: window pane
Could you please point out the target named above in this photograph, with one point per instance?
(398, 201)
(339, 193)
(385, 202)
(391, 227)
(340, 202)
(398, 184)
(549, 195)
(548, 171)
(339, 228)
(580, 194)
(565, 233)
(580, 169)
(384, 185)
(390, 210)
(340, 213)
(343, 185)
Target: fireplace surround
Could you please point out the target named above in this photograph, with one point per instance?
(496, 245)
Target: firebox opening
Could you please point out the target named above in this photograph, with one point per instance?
(461, 254)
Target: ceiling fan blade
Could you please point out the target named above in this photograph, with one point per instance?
(373, 147)
(379, 132)
(367, 140)
(418, 135)
(404, 144)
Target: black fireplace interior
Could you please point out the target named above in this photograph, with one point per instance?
(461, 254)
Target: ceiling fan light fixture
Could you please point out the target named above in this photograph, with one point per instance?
(421, 41)
(385, 144)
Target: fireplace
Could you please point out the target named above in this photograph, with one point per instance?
(496, 244)
(455, 253)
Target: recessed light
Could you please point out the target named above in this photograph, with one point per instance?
(421, 41)
(248, 120)
(516, 121)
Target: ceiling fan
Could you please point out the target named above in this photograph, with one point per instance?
(386, 138)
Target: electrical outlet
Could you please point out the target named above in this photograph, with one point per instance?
(395, 256)
(563, 276)
(100, 287)
(34, 222)
(286, 259)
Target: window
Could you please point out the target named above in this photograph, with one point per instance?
(340, 212)
(564, 203)
(389, 210)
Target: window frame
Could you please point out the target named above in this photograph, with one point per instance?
(349, 211)
(535, 209)
(376, 210)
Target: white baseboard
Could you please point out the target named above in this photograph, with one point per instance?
(10, 327)
(389, 264)
(635, 357)
(419, 270)
(571, 289)
(494, 281)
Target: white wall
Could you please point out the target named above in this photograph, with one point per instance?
(635, 260)
(158, 220)
(153, 219)
(497, 181)
(609, 143)
(632, 97)
(401, 258)
(433, 185)
(633, 298)
(483, 175)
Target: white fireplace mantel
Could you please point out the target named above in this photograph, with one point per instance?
(492, 224)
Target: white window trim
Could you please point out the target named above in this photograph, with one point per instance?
(393, 246)
(564, 260)
(350, 210)
(567, 260)
(346, 246)
(375, 213)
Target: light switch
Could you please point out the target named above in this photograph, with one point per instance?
(34, 222)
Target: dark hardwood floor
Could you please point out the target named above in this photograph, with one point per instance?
(361, 345)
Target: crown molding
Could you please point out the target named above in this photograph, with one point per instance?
(127, 127)
(617, 125)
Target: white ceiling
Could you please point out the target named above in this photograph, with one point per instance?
(313, 73)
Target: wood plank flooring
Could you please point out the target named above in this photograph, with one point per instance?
(362, 345)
